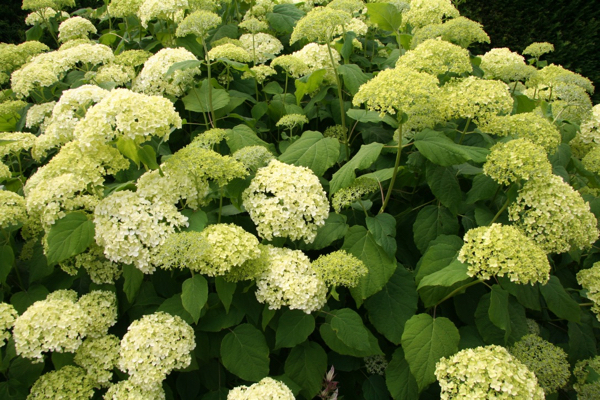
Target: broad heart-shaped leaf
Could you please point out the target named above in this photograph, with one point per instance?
(244, 352)
(360, 115)
(365, 157)
(182, 65)
(147, 156)
(559, 301)
(448, 276)
(398, 378)
(353, 77)
(383, 228)
(582, 341)
(241, 136)
(385, 15)
(284, 17)
(334, 343)
(129, 149)
(133, 280)
(439, 254)
(70, 235)
(198, 98)
(349, 328)
(334, 229)
(306, 365)
(390, 308)
(309, 83)
(444, 185)
(361, 244)
(431, 222)
(7, 259)
(490, 332)
(293, 328)
(314, 151)
(440, 150)
(374, 388)
(499, 312)
(225, 291)
(425, 340)
(194, 293)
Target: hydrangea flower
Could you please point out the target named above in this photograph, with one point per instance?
(164, 10)
(259, 72)
(75, 28)
(281, 207)
(41, 4)
(426, 12)
(124, 8)
(537, 49)
(376, 364)
(261, 46)
(437, 57)
(588, 136)
(101, 307)
(100, 269)
(98, 356)
(38, 113)
(198, 23)
(500, 250)
(231, 52)
(8, 315)
(586, 390)
(503, 64)
(591, 161)
(290, 121)
(69, 382)
(461, 31)
(132, 58)
(267, 388)
(361, 186)
(20, 141)
(486, 372)
(339, 268)
(319, 25)
(589, 279)
(253, 157)
(519, 159)
(127, 390)
(12, 209)
(117, 74)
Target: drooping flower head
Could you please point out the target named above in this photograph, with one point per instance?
(267, 388)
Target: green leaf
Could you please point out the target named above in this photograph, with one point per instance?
(398, 378)
(70, 235)
(306, 365)
(582, 341)
(360, 243)
(383, 228)
(371, 116)
(559, 301)
(173, 306)
(293, 328)
(349, 328)
(385, 15)
(523, 104)
(374, 388)
(147, 156)
(129, 149)
(198, 100)
(284, 17)
(225, 291)
(244, 352)
(490, 332)
(353, 77)
(431, 222)
(444, 185)
(439, 149)
(390, 308)
(455, 272)
(182, 66)
(241, 136)
(22, 300)
(527, 295)
(334, 343)
(483, 188)
(365, 157)
(133, 280)
(309, 84)
(425, 340)
(25, 370)
(314, 151)
(334, 229)
(197, 220)
(440, 253)
(499, 312)
(7, 260)
(194, 293)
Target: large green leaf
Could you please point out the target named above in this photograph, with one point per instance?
(483, 188)
(284, 17)
(241, 136)
(559, 301)
(439, 149)
(306, 365)
(444, 185)
(133, 280)
(431, 222)
(353, 77)
(225, 291)
(330, 338)
(293, 328)
(398, 378)
(361, 115)
(244, 352)
(361, 244)
(365, 157)
(194, 293)
(385, 15)
(440, 253)
(453, 273)
(349, 328)
(198, 98)
(69, 236)
(490, 332)
(383, 228)
(499, 311)
(390, 308)
(334, 229)
(314, 151)
(582, 341)
(425, 340)
(182, 66)
(309, 83)
(7, 259)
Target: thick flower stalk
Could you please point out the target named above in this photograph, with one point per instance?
(267, 388)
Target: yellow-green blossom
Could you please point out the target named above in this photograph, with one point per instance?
(210, 138)
(17, 142)
(284, 207)
(231, 52)
(132, 58)
(426, 12)
(75, 28)
(486, 372)
(267, 388)
(503, 250)
(69, 382)
(38, 113)
(361, 186)
(44, 14)
(13, 209)
(588, 136)
(126, 390)
(350, 6)
(8, 315)
(163, 10)
(554, 75)
(253, 25)
(183, 250)
(261, 46)
(319, 25)
(293, 65)
(40, 4)
(101, 307)
(503, 64)
(339, 269)
(437, 57)
(589, 279)
(100, 269)
(585, 389)
(538, 49)
(5, 172)
(98, 356)
(290, 121)
(461, 31)
(253, 157)
(198, 23)
(519, 159)
(14, 56)
(554, 215)
(259, 72)
(335, 131)
(124, 8)
(112, 73)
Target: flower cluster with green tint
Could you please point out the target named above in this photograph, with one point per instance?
(163, 10)
(284, 207)
(503, 250)
(376, 365)
(319, 25)
(266, 388)
(589, 279)
(261, 46)
(538, 49)
(548, 362)
(340, 268)
(132, 391)
(253, 157)
(519, 159)
(75, 28)
(345, 197)
(69, 382)
(437, 57)
(8, 315)
(582, 371)
(461, 31)
(198, 23)
(231, 52)
(13, 209)
(98, 357)
(486, 372)
(503, 64)
(183, 250)
(101, 307)
(426, 12)
(40, 4)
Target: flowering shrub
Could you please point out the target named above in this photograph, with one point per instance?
(206, 199)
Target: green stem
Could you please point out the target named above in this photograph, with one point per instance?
(210, 102)
(341, 100)
(586, 304)
(504, 207)
(464, 132)
(220, 206)
(396, 169)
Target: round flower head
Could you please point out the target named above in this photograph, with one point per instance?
(350, 6)
(585, 389)
(113, 73)
(75, 28)
(13, 209)
(266, 389)
(101, 306)
(591, 161)
(8, 315)
(312, 57)
(500, 250)
(40, 4)
(231, 52)
(124, 8)
(44, 14)
(537, 49)
(588, 136)
(37, 114)
(555, 75)
(253, 157)
(376, 364)
(164, 10)
(361, 186)
(210, 138)
(259, 72)
(12, 107)
(261, 46)
(437, 57)
(55, 324)
(339, 269)
(126, 390)
(554, 215)
(132, 58)
(486, 372)
(253, 25)
(155, 345)
(100, 270)
(69, 382)
(153, 80)
(13, 56)
(289, 280)
(98, 356)
(282, 207)
(5, 172)
(589, 279)
(319, 25)
(18, 142)
(425, 12)
(548, 362)
(183, 250)
(290, 121)
(461, 31)
(198, 23)
(505, 65)
(516, 160)
(293, 65)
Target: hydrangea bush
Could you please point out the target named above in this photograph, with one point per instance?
(270, 199)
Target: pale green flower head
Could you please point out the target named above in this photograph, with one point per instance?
(313, 57)
(183, 250)
(19, 142)
(253, 157)
(554, 75)
(8, 315)
(101, 306)
(486, 372)
(267, 388)
(253, 25)
(155, 345)
(164, 10)
(231, 52)
(350, 6)
(261, 46)
(290, 121)
(260, 9)
(98, 357)
(586, 390)
(75, 28)
(589, 279)
(100, 269)
(375, 365)
(11, 107)
(354, 25)
(591, 161)
(426, 12)
(260, 73)
(319, 25)
(117, 74)
(530, 126)
(198, 23)
(554, 215)
(38, 113)
(69, 382)
(548, 362)
(503, 250)
(588, 136)
(293, 65)
(503, 64)
(41, 4)
(124, 8)
(14, 56)
(538, 49)
(289, 280)
(132, 58)
(461, 31)
(340, 268)
(209, 138)
(5, 172)
(126, 390)
(335, 131)
(437, 57)
(281, 207)
(345, 197)
(519, 159)
(44, 14)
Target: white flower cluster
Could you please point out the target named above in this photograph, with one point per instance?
(12, 209)
(8, 315)
(266, 389)
(69, 382)
(503, 64)
(127, 390)
(516, 160)
(75, 28)
(98, 356)
(169, 10)
(284, 207)
(262, 46)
